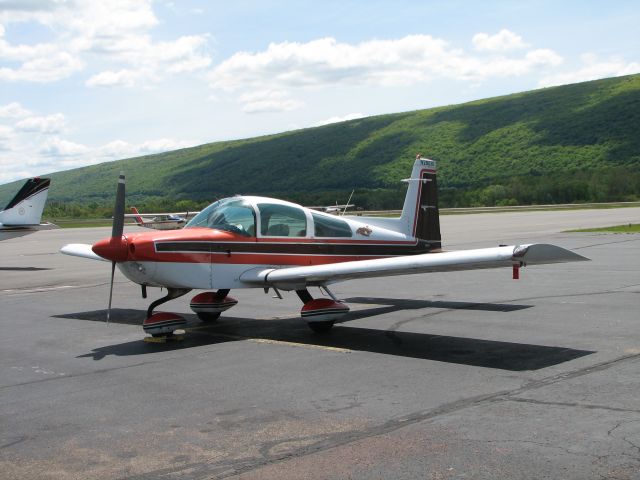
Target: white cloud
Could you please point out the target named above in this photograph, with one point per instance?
(7, 136)
(58, 147)
(592, 69)
(267, 101)
(13, 110)
(503, 41)
(108, 78)
(33, 144)
(43, 62)
(151, 61)
(344, 118)
(48, 124)
(406, 61)
(112, 36)
(122, 149)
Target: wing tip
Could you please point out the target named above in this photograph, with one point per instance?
(541, 253)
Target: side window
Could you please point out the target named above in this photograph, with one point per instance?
(282, 221)
(330, 226)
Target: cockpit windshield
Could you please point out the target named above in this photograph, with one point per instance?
(230, 214)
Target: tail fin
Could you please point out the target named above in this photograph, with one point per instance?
(27, 206)
(420, 216)
(137, 218)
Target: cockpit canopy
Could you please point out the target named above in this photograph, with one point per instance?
(231, 214)
(242, 215)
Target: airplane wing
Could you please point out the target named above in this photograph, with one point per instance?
(295, 278)
(81, 250)
(166, 214)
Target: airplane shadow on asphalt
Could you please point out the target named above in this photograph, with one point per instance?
(22, 269)
(460, 350)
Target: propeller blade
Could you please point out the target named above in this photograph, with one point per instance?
(118, 210)
(116, 231)
(113, 271)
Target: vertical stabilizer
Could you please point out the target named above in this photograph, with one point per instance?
(420, 216)
(137, 218)
(27, 206)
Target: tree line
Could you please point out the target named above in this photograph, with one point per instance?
(610, 185)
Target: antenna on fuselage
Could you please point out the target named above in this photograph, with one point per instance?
(347, 204)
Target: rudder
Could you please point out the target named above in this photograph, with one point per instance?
(420, 215)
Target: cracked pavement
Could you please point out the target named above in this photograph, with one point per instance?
(441, 376)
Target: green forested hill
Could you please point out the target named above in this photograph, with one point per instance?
(577, 142)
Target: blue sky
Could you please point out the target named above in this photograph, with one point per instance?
(88, 81)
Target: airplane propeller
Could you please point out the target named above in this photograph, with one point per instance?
(117, 243)
(118, 211)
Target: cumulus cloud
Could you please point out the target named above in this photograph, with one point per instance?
(33, 144)
(408, 60)
(13, 110)
(405, 61)
(43, 62)
(503, 41)
(108, 78)
(123, 149)
(336, 119)
(592, 69)
(152, 61)
(58, 147)
(114, 33)
(48, 124)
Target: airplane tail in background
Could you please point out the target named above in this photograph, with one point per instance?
(27, 206)
(420, 215)
(137, 218)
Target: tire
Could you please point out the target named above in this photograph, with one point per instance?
(208, 317)
(321, 327)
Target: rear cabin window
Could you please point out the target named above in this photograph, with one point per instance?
(330, 226)
(282, 221)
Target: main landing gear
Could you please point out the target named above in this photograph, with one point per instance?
(321, 313)
(207, 305)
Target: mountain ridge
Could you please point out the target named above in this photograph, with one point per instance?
(577, 133)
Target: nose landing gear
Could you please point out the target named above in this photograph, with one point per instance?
(164, 323)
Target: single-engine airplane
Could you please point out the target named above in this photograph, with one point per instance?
(23, 213)
(160, 221)
(337, 208)
(258, 242)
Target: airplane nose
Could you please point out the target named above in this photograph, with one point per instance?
(113, 248)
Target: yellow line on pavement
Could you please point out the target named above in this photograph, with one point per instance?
(297, 344)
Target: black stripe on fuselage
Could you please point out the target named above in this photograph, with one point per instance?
(351, 249)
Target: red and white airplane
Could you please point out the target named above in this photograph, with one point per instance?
(257, 242)
(160, 221)
(23, 213)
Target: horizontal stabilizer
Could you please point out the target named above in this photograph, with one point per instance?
(81, 250)
(300, 277)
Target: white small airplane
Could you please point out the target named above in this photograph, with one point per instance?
(336, 208)
(160, 221)
(258, 242)
(23, 213)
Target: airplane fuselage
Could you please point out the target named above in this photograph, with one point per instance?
(202, 257)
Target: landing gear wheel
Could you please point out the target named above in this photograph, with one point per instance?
(208, 317)
(321, 327)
